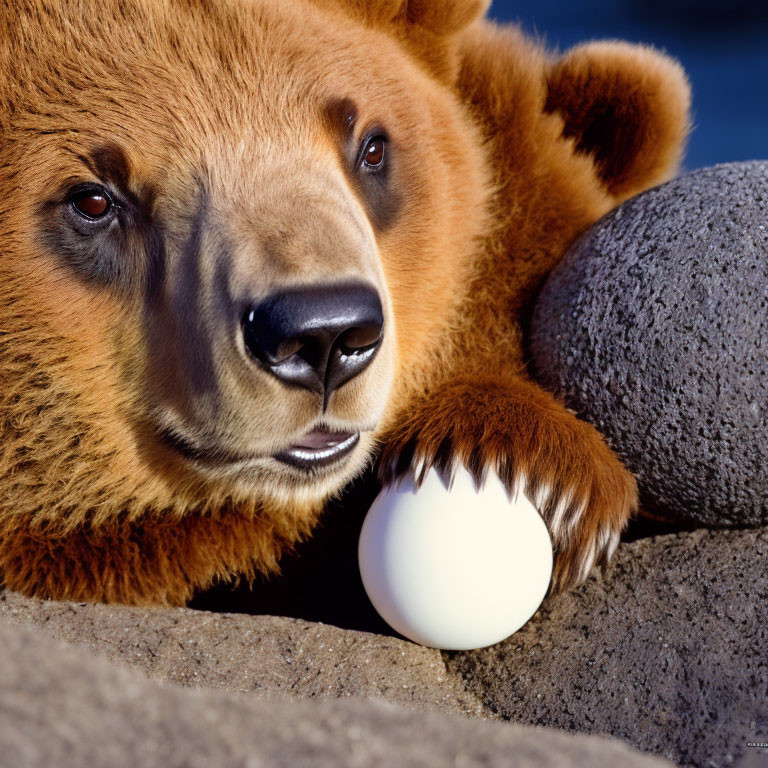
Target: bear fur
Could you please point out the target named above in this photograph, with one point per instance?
(221, 130)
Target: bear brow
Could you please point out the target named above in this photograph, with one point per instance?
(109, 162)
(341, 116)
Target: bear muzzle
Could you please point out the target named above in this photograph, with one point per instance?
(317, 337)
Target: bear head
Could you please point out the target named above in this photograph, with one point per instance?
(225, 228)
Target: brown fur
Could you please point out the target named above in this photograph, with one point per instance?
(216, 115)
(551, 185)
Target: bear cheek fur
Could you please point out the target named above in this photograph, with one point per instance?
(428, 256)
(61, 402)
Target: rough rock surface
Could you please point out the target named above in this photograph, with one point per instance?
(61, 707)
(667, 650)
(262, 654)
(655, 330)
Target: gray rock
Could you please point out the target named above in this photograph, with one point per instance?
(668, 650)
(61, 707)
(655, 330)
(259, 654)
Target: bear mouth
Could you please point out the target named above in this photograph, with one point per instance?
(319, 448)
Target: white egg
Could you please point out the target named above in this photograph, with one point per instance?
(454, 569)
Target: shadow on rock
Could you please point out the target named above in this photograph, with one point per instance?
(321, 580)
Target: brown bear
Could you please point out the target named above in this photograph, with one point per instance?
(250, 247)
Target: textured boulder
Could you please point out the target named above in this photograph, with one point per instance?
(62, 707)
(251, 654)
(655, 329)
(666, 650)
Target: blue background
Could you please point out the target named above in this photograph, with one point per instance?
(722, 45)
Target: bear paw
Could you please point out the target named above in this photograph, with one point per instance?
(583, 492)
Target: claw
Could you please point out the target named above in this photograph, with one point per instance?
(444, 461)
(583, 525)
(477, 466)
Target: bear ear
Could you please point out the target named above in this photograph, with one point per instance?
(625, 105)
(429, 28)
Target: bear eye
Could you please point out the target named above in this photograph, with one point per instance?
(92, 204)
(373, 154)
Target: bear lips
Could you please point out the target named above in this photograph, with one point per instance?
(319, 448)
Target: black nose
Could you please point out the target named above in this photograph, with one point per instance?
(317, 337)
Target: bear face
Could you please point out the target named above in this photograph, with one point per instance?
(245, 244)
(169, 169)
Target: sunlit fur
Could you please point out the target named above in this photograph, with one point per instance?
(219, 108)
(568, 139)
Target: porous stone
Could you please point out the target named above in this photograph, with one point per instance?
(668, 651)
(62, 707)
(654, 328)
(254, 654)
